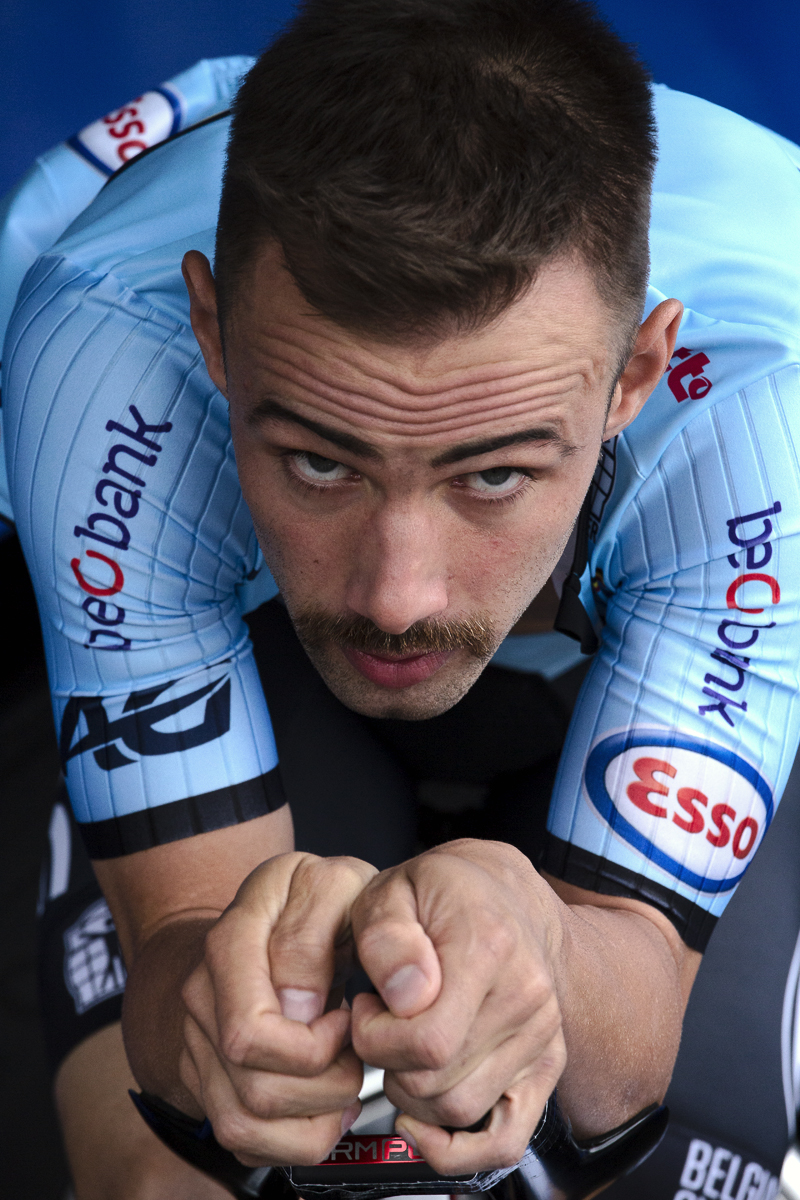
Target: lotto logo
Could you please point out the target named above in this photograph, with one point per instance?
(118, 137)
(686, 379)
(695, 809)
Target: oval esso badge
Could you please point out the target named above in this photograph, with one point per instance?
(692, 807)
(118, 137)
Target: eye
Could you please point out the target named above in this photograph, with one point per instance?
(317, 469)
(497, 481)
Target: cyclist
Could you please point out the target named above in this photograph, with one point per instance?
(466, 411)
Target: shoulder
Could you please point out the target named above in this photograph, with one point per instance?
(149, 215)
(725, 241)
(725, 229)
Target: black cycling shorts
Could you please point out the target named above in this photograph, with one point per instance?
(382, 790)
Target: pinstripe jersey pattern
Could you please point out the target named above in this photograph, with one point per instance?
(143, 554)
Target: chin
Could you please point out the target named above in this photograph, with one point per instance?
(419, 702)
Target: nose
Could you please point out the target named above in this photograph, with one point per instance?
(399, 572)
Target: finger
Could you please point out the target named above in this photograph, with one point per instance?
(278, 1044)
(475, 1092)
(478, 947)
(311, 937)
(502, 1144)
(393, 947)
(236, 947)
(259, 1019)
(514, 1024)
(254, 1141)
(444, 1034)
(269, 1095)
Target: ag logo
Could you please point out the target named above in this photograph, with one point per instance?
(695, 809)
(176, 716)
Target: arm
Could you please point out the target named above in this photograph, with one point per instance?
(164, 901)
(237, 1015)
(493, 989)
(623, 978)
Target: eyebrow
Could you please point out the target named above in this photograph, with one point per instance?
(269, 409)
(544, 433)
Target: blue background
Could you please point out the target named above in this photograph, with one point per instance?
(64, 63)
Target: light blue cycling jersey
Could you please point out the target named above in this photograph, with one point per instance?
(64, 180)
(144, 557)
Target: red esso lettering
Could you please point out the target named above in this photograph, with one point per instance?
(130, 149)
(128, 128)
(745, 833)
(640, 793)
(127, 111)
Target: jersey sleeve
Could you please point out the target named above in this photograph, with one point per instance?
(689, 720)
(137, 537)
(66, 178)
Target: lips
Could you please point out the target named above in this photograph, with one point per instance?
(396, 672)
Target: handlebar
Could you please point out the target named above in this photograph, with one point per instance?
(555, 1165)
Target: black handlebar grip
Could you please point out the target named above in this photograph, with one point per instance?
(376, 1166)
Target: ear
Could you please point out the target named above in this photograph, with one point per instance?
(203, 308)
(651, 354)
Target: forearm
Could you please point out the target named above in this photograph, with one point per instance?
(154, 1013)
(622, 980)
(164, 900)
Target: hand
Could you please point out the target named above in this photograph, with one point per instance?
(459, 943)
(266, 1041)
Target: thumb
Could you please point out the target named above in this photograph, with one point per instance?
(396, 952)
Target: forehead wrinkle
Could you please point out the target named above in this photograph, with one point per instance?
(343, 401)
(401, 430)
(393, 380)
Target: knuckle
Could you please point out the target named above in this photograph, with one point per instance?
(418, 1085)
(534, 992)
(500, 937)
(377, 933)
(354, 870)
(231, 1132)
(433, 1048)
(313, 1061)
(321, 1139)
(253, 1098)
(216, 944)
(298, 943)
(236, 1040)
(458, 1111)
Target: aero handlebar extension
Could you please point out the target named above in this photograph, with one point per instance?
(376, 1166)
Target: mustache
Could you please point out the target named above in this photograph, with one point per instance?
(316, 628)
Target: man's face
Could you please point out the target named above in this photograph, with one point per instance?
(424, 489)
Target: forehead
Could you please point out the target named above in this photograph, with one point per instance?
(554, 347)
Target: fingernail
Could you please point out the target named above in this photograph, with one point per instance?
(349, 1117)
(298, 1004)
(407, 1136)
(404, 990)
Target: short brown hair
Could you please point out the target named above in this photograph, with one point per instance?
(418, 160)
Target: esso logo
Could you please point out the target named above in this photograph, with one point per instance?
(695, 809)
(118, 137)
